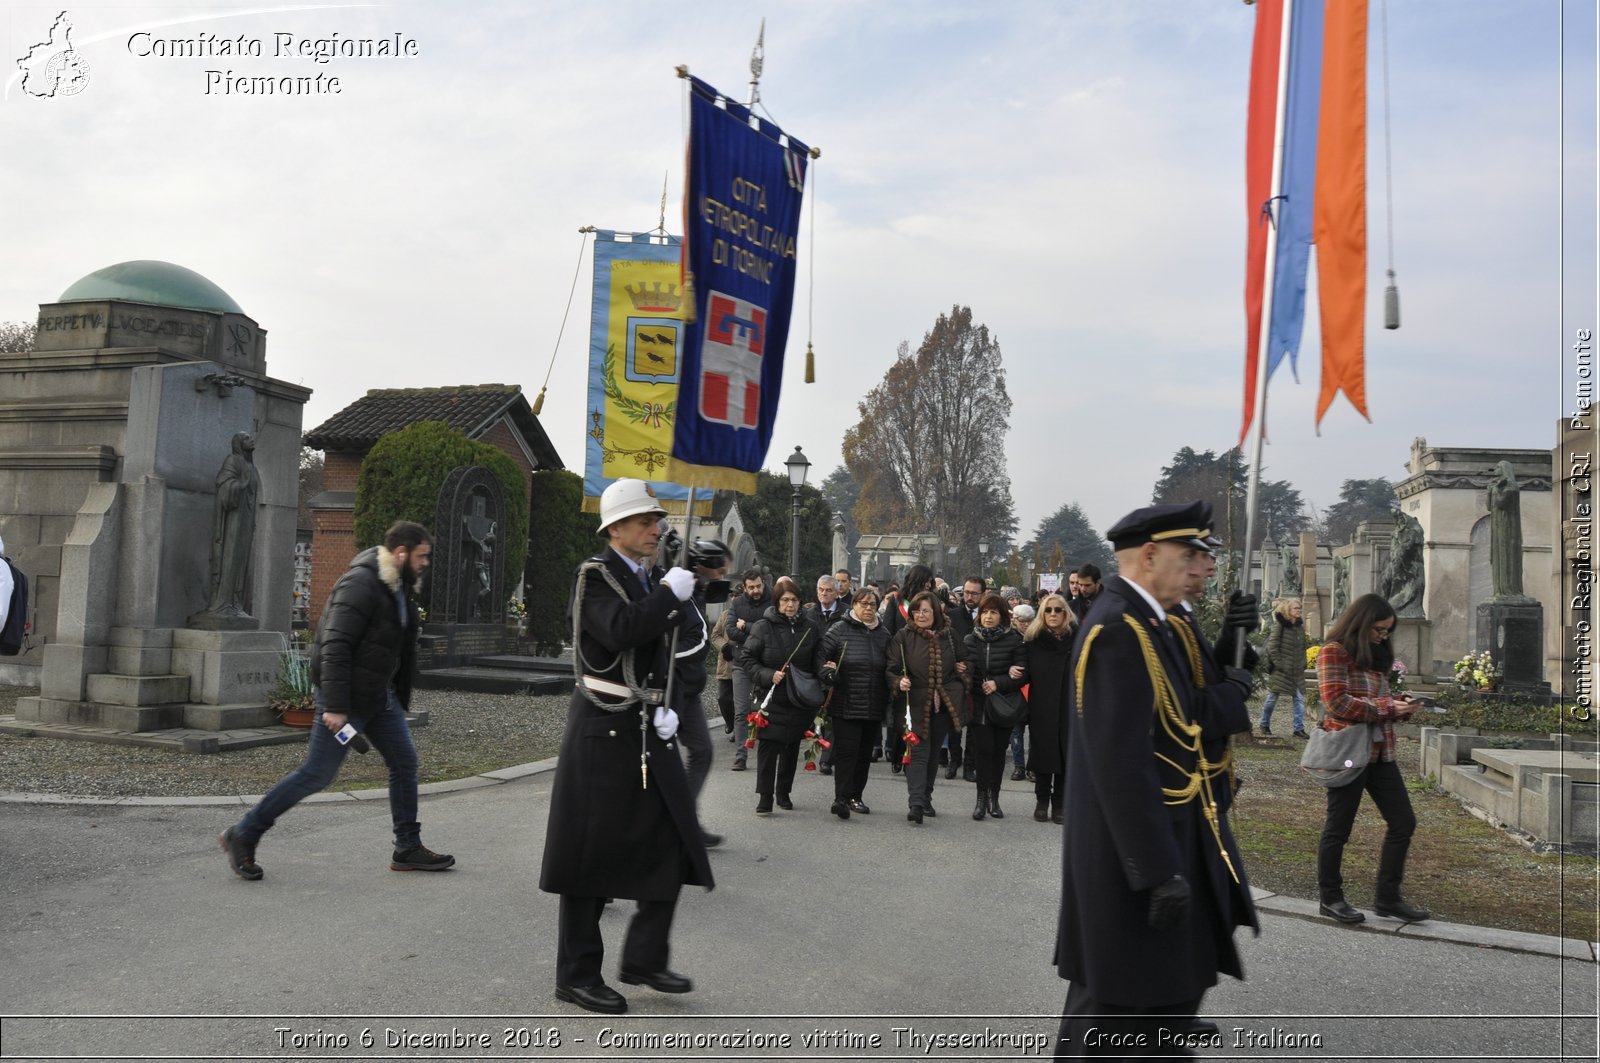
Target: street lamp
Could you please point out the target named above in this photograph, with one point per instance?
(983, 563)
(798, 466)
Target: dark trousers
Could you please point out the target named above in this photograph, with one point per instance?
(852, 757)
(924, 766)
(1047, 789)
(725, 702)
(1388, 789)
(580, 950)
(991, 743)
(775, 764)
(1093, 1028)
(695, 736)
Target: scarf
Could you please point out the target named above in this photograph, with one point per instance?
(935, 677)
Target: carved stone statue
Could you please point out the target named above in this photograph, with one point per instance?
(479, 584)
(1505, 531)
(234, 528)
(1401, 581)
(1289, 570)
(1341, 584)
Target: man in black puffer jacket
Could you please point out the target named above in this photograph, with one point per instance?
(361, 664)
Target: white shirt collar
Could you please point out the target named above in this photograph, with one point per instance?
(1161, 614)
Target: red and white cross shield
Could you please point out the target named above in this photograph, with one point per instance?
(730, 361)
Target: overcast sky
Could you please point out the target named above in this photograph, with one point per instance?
(1073, 171)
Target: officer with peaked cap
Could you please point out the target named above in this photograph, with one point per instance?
(1148, 876)
(622, 817)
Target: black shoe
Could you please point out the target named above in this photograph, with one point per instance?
(601, 998)
(895, 767)
(1017, 775)
(660, 981)
(1204, 1027)
(784, 803)
(1041, 811)
(915, 816)
(1302, 734)
(860, 809)
(1055, 816)
(1341, 911)
(950, 770)
(738, 764)
(981, 808)
(727, 729)
(710, 840)
(1266, 730)
(877, 755)
(929, 812)
(1399, 909)
(969, 774)
(840, 809)
(764, 807)
(994, 805)
(420, 858)
(826, 769)
(241, 857)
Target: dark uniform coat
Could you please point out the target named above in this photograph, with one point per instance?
(1049, 676)
(609, 835)
(1135, 817)
(1221, 711)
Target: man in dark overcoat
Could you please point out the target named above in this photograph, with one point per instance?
(1149, 880)
(622, 815)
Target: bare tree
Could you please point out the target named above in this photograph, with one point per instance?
(929, 450)
(16, 336)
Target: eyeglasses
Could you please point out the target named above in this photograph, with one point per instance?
(1054, 609)
(1383, 632)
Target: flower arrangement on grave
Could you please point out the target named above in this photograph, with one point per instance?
(1477, 671)
(1312, 653)
(292, 691)
(1397, 677)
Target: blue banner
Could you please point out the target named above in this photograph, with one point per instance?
(1298, 186)
(746, 178)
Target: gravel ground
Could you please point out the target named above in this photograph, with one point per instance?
(467, 734)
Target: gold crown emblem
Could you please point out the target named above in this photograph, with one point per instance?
(656, 297)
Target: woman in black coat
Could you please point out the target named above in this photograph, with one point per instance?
(855, 652)
(995, 666)
(895, 615)
(782, 639)
(1048, 655)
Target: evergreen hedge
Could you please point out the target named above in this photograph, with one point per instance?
(561, 535)
(401, 477)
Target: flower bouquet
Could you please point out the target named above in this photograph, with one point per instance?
(1397, 677)
(813, 744)
(1477, 671)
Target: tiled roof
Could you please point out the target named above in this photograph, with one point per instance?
(469, 408)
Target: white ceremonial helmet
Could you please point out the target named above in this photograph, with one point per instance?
(626, 498)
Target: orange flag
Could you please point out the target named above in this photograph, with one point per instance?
(1339, 222)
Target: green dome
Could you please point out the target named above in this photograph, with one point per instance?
(148, 281)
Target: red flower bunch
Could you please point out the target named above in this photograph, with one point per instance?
(811, 765)
(758, 719)
(749, 743)
(814, 743)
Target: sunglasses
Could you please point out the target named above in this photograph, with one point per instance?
(1054, 609)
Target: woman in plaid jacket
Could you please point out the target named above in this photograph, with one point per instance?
(1353, 680)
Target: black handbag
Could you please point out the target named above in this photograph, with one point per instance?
(1007, 710)
(805, 689)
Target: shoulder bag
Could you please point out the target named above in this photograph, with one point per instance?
(1004, 710)
(1336, 758)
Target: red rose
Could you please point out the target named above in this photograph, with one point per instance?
(906, 759)
(825, 743)
(811, 766)
(912, 739)
(754, 717)
(762, 721)
(749, 743)
(810, 734)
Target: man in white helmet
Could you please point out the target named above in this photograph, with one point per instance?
(622, 815)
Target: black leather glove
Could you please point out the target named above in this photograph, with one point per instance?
(1169, 903)
(1243, 611)
(727, 651)
(1240, 677)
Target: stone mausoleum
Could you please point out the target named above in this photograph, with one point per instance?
(112, 432)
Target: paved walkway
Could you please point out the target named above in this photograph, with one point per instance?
(840, 932)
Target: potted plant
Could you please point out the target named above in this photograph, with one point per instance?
(292, 697)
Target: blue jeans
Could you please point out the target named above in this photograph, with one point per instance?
(1299, 711)
(389, 735)
(1017, 733)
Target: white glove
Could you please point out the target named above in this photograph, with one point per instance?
(666, 721)
(681, 580)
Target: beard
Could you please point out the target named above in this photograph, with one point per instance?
(409, 576)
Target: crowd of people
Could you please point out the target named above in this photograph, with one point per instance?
(1109, 697)
(934, 678)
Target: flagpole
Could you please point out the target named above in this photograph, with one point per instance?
(1264, 345)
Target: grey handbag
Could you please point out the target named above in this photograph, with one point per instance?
(1336, 758)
